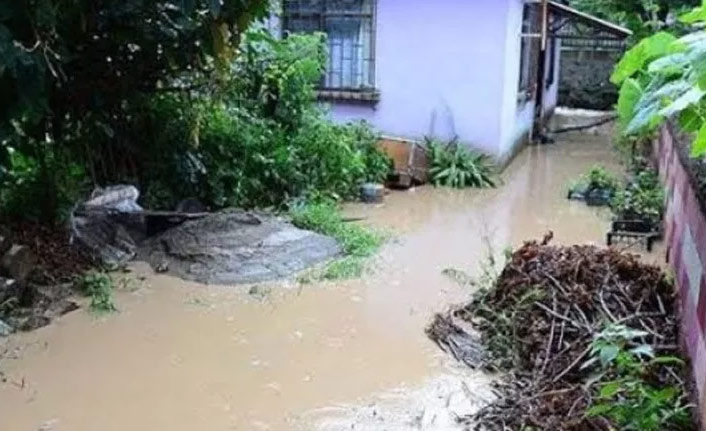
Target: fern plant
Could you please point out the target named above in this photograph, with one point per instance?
(453, 165)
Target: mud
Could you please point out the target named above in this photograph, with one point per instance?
(237, 247)
(184, 356)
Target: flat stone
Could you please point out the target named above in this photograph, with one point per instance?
(237, 247)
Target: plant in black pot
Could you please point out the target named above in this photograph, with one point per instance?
(639, 207)
(597, 187)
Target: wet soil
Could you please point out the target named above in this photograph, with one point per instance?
(352, 355)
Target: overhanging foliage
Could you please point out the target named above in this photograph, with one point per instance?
(664, 76)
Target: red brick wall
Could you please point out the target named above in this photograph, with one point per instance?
(685, 237)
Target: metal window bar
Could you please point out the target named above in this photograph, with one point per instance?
(529, 49)
(350, 25)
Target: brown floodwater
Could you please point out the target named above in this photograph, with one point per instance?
(182, 356)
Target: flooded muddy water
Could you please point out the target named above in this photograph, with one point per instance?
(182, 356)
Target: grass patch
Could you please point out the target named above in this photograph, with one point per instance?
(358, 242)
(98, 286)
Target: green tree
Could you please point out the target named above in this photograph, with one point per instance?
(643, 17)
(75, 73)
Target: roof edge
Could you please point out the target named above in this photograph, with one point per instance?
(607, 25)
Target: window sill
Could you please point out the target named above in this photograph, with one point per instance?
(369, 96)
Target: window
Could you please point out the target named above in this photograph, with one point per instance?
(350, 26)
(529, 50)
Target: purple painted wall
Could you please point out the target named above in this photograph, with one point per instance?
(440, 69)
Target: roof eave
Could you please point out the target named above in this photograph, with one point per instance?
(606, 25)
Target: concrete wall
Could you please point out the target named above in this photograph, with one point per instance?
(585, 79)
(442, 70)
(685, 236)
(517, 117)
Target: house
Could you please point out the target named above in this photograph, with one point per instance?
(485, 71)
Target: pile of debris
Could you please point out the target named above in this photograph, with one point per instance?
(538, 324)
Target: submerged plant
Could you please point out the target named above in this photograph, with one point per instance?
(597, 178)
(453, 165)
(358, 242)
(99, 287)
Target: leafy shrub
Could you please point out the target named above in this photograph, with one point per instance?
(642, 199)
(358, 242)
(625, 396)
(263, 142)
(74, 76)
(254, 138)
(453, 165)
(325, 218)
(600, 178)
(662, 77)
(277, 76)
(597, 178)
(378, 165)
(29, 190)
(99, 287)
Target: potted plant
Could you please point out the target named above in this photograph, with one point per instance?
(597, 187)
(639, 207)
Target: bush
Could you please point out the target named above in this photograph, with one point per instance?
(263, 141)
(642, 199)
(255, 138)
(324, 217)
(99, 287)
(453, 165)
(597, 178)
(34, 192)
(358, 243)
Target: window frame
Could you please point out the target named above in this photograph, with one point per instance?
(529, 40)
(367, 91)
(551, 72)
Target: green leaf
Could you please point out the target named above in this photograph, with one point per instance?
(609, 390)
(672, 64)
(692, 40)
(636, 58)
(646, 118)
(598, 410)
(696, 15)
(608, 354)
(698, 147)
(665, 394)
(689, 98)
(630, 94)
(690, 120)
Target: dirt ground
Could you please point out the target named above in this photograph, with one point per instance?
(282, 357)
